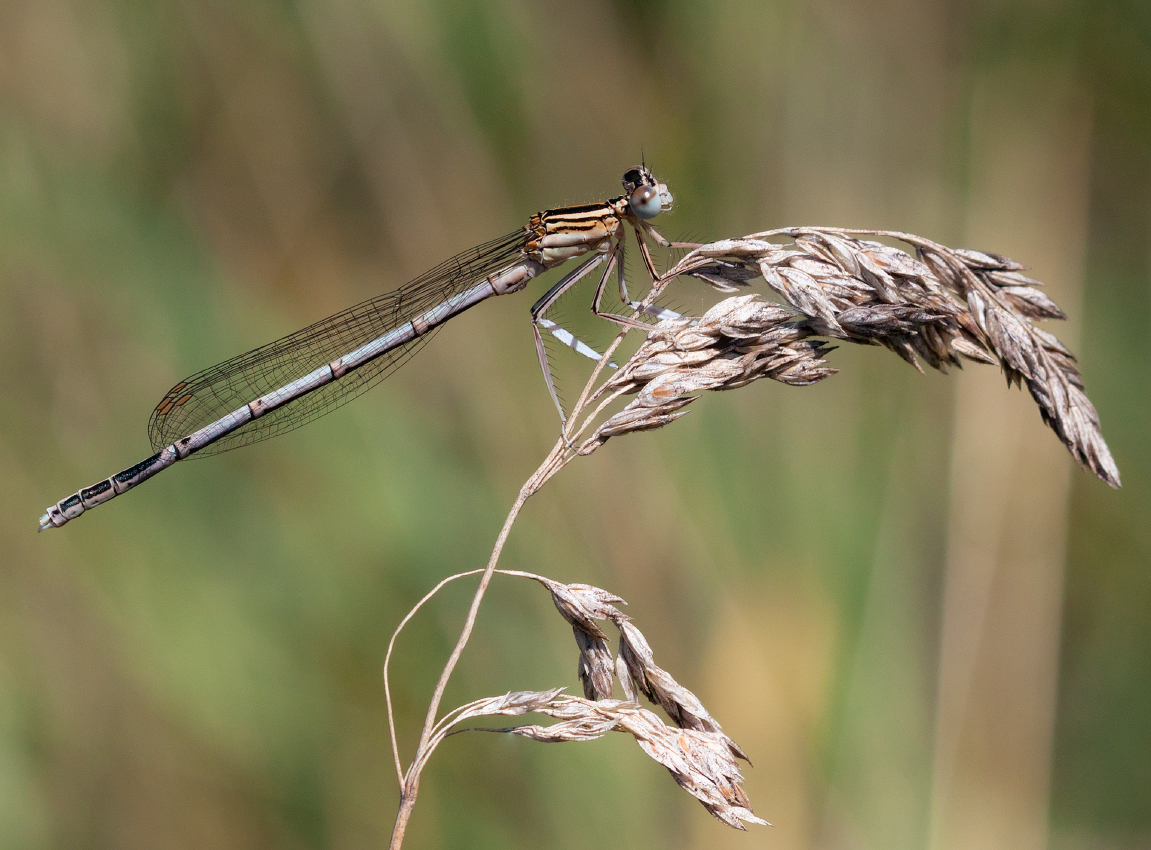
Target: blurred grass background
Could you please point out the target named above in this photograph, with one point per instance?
(926, 627)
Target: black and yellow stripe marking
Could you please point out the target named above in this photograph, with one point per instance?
(578, 219)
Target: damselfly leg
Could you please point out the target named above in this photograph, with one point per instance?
(541, 306)
(615, 262)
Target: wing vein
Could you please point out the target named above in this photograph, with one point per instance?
(212, 393)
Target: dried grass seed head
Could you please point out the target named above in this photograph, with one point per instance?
(940, 306)
(700, 762)
(739, 340)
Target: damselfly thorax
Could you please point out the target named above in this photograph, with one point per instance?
(284, 384)
(563, 234)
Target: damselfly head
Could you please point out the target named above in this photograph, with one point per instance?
(645, 196)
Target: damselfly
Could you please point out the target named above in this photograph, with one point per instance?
(284, 384)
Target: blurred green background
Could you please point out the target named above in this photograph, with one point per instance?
(924, 625)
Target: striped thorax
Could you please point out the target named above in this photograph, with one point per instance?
(563, 234)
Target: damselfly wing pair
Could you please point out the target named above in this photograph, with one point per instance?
(287, 383)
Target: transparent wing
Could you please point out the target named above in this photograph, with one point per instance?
(208, 395)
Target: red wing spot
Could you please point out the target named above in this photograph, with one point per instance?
(163, 407)
(184, 399)
(177, 388)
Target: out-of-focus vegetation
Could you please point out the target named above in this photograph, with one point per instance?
(950, 627)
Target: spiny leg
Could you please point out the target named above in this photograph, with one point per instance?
(655, 234)
(657, 312)
(542, 305)
(616, 261)
(648, 309)
(645, 253)
(570, 340)
(651, 309)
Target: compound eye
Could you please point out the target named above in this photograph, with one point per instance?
(645, 202)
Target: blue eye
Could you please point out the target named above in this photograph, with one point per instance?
(645, 202)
